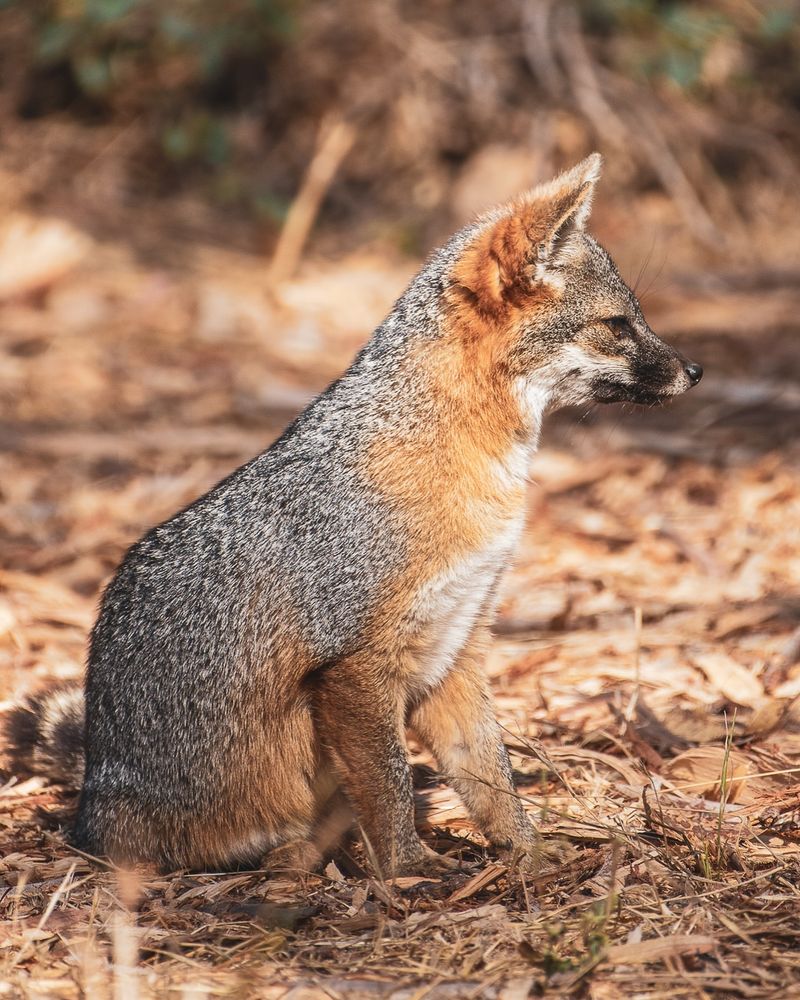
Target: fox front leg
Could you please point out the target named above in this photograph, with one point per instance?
(456, 722)
(359, 721)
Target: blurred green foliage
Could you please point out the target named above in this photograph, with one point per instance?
(235, 89)
(676, 40)
(118, 50)
(180, 59)
(108, 42)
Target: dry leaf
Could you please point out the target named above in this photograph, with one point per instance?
(706, 772)
(491, 911)
(485, 877)
(409, 881)
(34, 253)
(768, 716)
(730, 678)
(697, 725)
(747, 617)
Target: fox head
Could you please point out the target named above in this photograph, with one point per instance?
(545, 301)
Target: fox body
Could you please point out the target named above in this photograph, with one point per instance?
(269, 644)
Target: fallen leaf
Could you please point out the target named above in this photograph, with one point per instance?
(731, 622)
(768, 716)
(730, 678)
(409, 881)
(704, 772)
(483, 878)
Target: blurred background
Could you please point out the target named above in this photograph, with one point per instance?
(206, 208)
(207, 205)
(255, 141)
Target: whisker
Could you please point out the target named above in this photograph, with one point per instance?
(653, 280)
(644, 265)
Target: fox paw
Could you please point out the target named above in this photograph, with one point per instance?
(293, 858)
(538, 855)
(428, 862)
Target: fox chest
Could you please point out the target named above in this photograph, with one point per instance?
(448, 605)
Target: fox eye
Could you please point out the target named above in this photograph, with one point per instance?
(619, 326)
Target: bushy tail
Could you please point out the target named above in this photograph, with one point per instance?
(45, 736)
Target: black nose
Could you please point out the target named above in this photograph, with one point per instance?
(694, 371)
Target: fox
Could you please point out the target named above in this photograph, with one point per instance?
(264, 652)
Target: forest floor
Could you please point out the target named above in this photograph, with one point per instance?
(646, 664)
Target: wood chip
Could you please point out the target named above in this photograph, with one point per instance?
(478, 882)
(660, 949)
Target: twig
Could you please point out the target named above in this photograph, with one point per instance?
(537, 46)
(584, 82)
(334, 141)
(637, 662)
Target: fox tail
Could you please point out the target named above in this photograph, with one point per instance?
(45, 735)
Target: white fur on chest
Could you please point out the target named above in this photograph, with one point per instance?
(448, 605)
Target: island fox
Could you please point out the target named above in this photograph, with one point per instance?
(273, 640)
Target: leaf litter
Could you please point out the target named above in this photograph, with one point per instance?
(645, 663)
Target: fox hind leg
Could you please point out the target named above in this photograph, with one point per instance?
(359, 717)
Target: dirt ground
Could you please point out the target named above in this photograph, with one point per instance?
(646, 663)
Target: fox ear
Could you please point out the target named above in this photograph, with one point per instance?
(566, 201)
(511, 253)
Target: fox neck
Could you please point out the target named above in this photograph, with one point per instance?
(500, 406)
(454, 452)
(534, 396)
(483, 416)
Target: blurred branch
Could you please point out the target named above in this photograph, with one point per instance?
(537, 17)
(630, 125)
(334, 141)
(587, 92)
(744, 136)
(668, 169)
